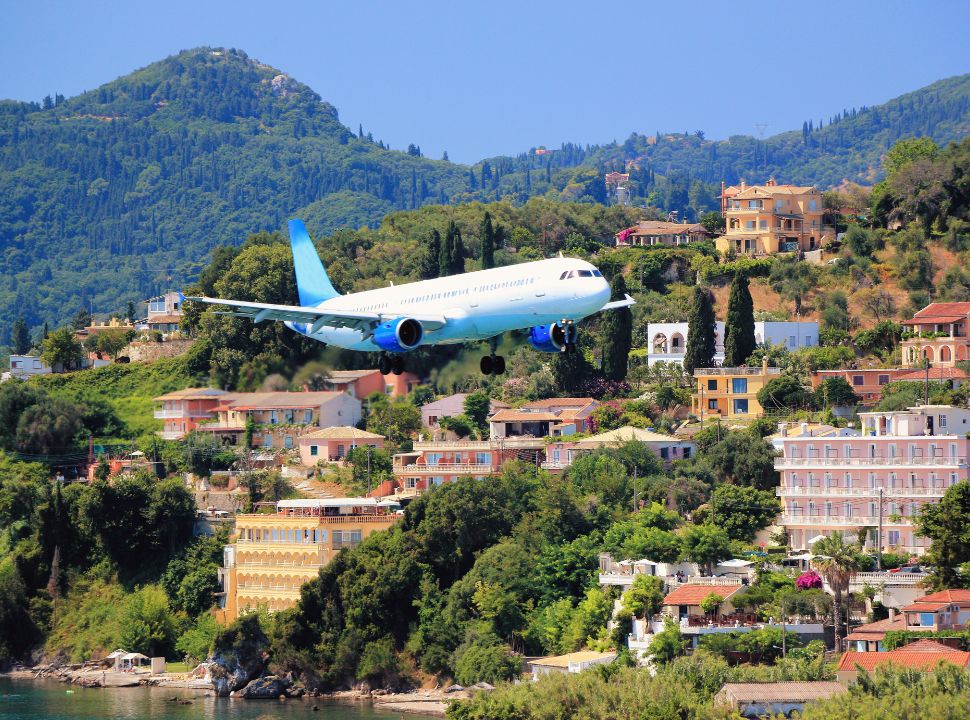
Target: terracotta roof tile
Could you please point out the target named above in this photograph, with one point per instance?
(938, 309)
(694, 594)
(878, 628)
(957, 596)
(902, 658)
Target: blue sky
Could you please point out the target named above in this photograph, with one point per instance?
(481, 79)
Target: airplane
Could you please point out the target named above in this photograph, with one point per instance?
(547, 297)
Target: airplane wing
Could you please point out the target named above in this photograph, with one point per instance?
(617, 304)
(316, 317)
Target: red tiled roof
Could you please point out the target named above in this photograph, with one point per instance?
(959, 309)
(927, 645)
(920, 606)
(876, 630)
(903, 658)
(694, 594)
(952, 596)
(519, 416)
(560, 402)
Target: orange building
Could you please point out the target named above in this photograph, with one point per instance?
(183, 410)
(361, 383)
(940, 333)
(274, 554)
(771, 218)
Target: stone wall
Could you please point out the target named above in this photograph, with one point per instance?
(150, 351)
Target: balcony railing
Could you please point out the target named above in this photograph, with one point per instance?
(840, 520)
(171, 434)
(445, 468)
(507, 443)
(737, 371)
(177, 414)
(859, 492)
(886, 578)
(936, 461)
(260, 564)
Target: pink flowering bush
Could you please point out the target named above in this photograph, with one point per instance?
(810, 580)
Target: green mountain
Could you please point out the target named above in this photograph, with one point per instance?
(121, 192)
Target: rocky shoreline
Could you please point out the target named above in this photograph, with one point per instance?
(429, 703)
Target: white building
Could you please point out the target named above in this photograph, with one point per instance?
(26, 366)
(668, 341)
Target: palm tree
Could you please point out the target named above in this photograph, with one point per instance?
(836, 561)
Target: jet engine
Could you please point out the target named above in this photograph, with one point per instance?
(398, 335)
(551, 338)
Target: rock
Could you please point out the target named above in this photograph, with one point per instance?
(454, 688)
(269, 687)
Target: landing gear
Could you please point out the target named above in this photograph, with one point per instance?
(569, 336)
(492, 365)
(390, 364)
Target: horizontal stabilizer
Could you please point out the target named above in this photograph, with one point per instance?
(617, 304)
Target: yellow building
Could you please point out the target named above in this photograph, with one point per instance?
(274, 554)
(730, 392)
(771, 218)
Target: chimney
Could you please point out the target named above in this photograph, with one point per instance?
(764, 365)
(892, 614)
(742, 185)
(771, 182)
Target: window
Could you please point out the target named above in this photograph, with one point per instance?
(942, 422)
(739, 385)
(712, 384)
(288, 441)
(267, 441)
(308, 416)
(893, 537)
(665, 453)
(740, 407)
(762, 224)
(749, 225)
(288, 416)
(812, 204)
(314, 450)
(858, 380)
(597, 273)
(926, 619)
(273, 417)
(686, 453)
(712, 404)
(481, 458)
(585, 273)
(341, 451)
(792, 340)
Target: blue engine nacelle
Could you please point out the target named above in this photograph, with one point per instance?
(399, 335)
(551, 338)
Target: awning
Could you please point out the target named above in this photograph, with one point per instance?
(816, 539)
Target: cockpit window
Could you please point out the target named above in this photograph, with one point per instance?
(597, 273)
(564, 274)
(585, 273)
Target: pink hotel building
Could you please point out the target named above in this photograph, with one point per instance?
(901, 461)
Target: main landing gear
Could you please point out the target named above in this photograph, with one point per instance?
(492, 364)
(390, 364)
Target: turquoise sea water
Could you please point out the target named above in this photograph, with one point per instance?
(49, 700)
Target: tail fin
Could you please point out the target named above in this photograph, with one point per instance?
(311, 278)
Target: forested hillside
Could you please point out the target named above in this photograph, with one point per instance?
(121, 192)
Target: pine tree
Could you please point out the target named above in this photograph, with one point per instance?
(701, 332)
(431, 265)
(457, 250)
(130, 312)
(488, 242)
(46, 332)
(617, 334)
(446, 258)
(739, 340)
(20, 337)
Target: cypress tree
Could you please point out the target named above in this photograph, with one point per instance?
(701, 333)
(457, 250)
(432, 258)
(739, 334)
(19, 337)
(488, 242)
(446, 259)
(617, 334)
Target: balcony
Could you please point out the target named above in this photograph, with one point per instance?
(447, 468)
(698, 372)
(171, 434)
(180, 414)
(876, 579)
(853, 521)
(499, 444)
(786, 463)
(860, 492)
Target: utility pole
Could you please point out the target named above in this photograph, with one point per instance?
(635, 489)
(784, 645)
(368, 470)
(879, 536)
(926, 383)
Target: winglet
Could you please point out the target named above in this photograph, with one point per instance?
(311, 278)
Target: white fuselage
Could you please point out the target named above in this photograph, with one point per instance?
(477, 305)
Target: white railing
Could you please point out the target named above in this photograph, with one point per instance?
(169, 414)
(858, 492)
(699, 580)
(841, 520)
(445, 468)
(886, 578)
(937, 461)
(171, 434)
(508, 443)
(737, 371)
(286, 588)
(555, 465)
(251, 563)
